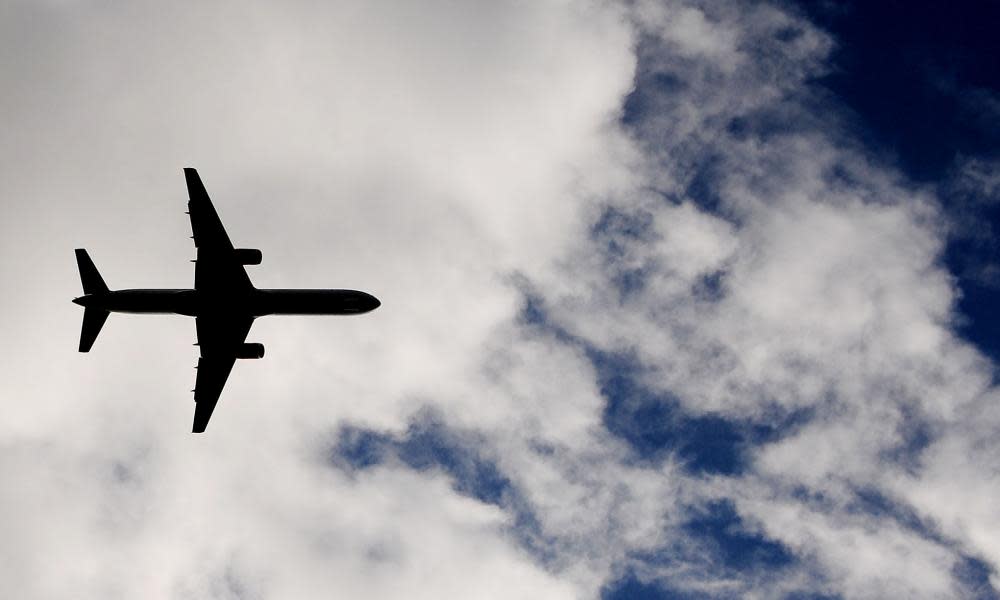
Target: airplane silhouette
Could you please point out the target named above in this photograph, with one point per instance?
(223, 302)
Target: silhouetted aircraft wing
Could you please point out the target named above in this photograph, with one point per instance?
(219, 338)
(216, 266)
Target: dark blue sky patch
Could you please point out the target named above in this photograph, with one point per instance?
(533, 310)
(358, 449)
(913, 73)
(973, 252)
(703, 186)
(701, 557)
(655, 425)
(720, 528)
(972, 576)
(979, 304)
(427, 444)
(630, 587)
(811, 596)
(711, 445)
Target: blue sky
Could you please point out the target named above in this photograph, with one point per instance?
(681, 299)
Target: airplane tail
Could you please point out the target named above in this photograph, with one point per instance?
(93, 283)
(93, 317)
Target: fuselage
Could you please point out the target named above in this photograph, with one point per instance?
(255, 302)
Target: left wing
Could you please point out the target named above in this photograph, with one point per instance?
(217, 266)
(219, 337)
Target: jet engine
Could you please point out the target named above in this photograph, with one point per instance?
(248, 256)
(250, 351)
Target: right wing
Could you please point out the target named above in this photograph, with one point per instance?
(218, 337)
(216, 266)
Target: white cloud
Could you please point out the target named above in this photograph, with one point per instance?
(417, 152)
(447, 157)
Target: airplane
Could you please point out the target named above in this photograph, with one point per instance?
(223, 302)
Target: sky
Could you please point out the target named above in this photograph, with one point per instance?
(680, 299)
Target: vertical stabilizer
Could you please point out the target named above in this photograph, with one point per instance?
(93, 283)
(93, 320)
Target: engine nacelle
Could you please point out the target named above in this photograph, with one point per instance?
(250, 351)
(248, 256)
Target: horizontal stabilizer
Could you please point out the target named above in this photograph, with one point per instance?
(93, 320)
(93, 283)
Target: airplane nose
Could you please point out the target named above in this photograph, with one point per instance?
(78, 300)
(373, 302)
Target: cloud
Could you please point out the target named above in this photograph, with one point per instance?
(418, 154)
(828, 315)
(651, 320)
